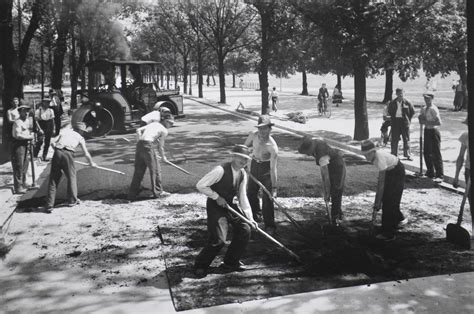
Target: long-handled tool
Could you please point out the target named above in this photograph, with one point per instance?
(176, 166)
(372, 221)
(421, 150)
(266, 235)
(454, 232)
(328, 211)
(293, 221)
(101, 168)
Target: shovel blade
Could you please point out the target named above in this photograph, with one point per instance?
(458, 235)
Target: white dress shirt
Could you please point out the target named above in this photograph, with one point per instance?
(152, 132)
(215, 175)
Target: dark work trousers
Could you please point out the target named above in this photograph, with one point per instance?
(261, 172)
(58, 111)
(400, 127)
(432, 153)
(62, 162)
(218, 220)
(337, 176)
(392, 195)
(20, 162)
(145, 157)
(467, 176)
(48, 128)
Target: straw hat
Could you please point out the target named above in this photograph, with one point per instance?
(428, 94)
(264, 120)
(241, 150)
(367, 146)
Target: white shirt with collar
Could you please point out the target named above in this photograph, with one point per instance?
(152, 132)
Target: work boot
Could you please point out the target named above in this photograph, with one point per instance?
(234, 267)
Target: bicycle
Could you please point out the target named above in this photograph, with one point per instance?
(324, 107)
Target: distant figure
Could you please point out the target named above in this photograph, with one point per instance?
(19, 154)
(337, 95)
(323, 95)
(401, 111)
(274, 98)
(241, 84)
(45, 118)
(55, 104)
(13, 112)
(458, 96)
(430, 118)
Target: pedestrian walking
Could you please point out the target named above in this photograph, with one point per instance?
(337, 95)
(390, 185)
(464, 159)
(56, 105)
(274, 98)
(145, 154)
(458, 95)
(431, 119)
(333, 173)
(63, 162)
(22, 136)
(241, 84)
(44, 117)
(263, 167)
(221, 185)
(401, 111)
(323, 95)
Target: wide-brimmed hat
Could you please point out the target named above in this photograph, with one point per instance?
(23, 105)
(428, 94)
(152, 116)
(367, 146)
(241, 150)
(264, 120)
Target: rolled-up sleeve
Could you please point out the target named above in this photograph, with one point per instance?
(243, 199)
(204, 185)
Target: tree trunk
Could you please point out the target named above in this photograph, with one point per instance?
(233, 80)
(199, 72)
(58, 63)
(339, 81)
(470, 84)
(265, 57)
(305, 83)
(463, 76)
(185, 75)
(388, 85)
(361, 128)
(220, 68)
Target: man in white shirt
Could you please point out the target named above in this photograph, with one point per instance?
(390, 185)
(221, 185)
(431, 119)
(45, 119)
(63, 162)
(145, 155)
(22, 135)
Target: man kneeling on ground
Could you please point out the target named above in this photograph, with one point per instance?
(220, 186)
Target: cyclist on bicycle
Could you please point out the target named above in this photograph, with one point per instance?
(323, 95)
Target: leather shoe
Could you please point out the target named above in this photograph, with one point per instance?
(45, 209)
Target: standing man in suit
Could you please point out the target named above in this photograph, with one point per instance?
(401, 111)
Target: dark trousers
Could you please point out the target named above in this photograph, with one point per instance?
(48, 129)
(432, 153)
(400, 127)
(58, 111)
(20, 162)
(337, 176)
(218, 220)
(392, 195)
(467, 176)
(62, 162)
(274, 103)
(145, 157)
(261, 172)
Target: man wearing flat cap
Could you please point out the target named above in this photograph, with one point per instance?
(145, 156)
(333, 173)
(264, 169)
(430, 118)
(63, 162)
(22, 135)
(390, 185)
(221, 185)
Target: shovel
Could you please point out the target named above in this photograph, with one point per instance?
(421, 150)
(454, 232)
(266, 235)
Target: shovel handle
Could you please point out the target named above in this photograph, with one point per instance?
(266, 235)
(101, 168)
(466, 191)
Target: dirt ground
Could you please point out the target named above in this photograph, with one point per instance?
(107, 250)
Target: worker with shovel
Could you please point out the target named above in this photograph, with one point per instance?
(333, 173)
(145, 156)
(264, 169)
(221, 185)
(390, 185)
(63, 161)
(460, 161)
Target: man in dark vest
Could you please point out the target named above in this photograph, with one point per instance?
(221, 185)
(401, 111)
(333, 173)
